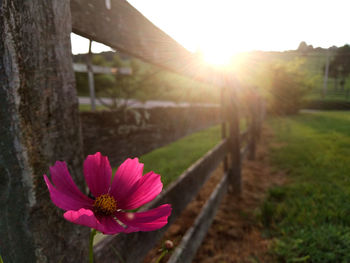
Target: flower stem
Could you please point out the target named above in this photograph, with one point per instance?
(162, 255)
(91, 246)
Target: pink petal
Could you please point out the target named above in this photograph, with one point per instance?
(64, 201)
(98, 174)
(85, 217)
(128, 173)
(111, 226)
(144, 191)
(145, 221)
(63, 182)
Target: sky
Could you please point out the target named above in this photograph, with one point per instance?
(221, 27)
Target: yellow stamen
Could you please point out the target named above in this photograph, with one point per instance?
(105, 205)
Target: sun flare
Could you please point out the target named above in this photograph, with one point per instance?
(221, 53)
(217, 57)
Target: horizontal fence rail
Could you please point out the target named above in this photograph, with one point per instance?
(178, 194)
(84, 68)
(125, 29)
(191, 241)
(194, 236)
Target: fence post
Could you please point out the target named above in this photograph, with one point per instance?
(232, 114)
(39, 124)
(261, 115)
(253, 130)
(91, 78)
(223, 123)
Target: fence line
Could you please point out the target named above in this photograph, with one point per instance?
(191, 241)
(125, 29)
(195, 235)
(178, 194)
(41, 125)
(139, 43)
(183, 191)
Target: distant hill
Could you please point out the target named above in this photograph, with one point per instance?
(251, 69)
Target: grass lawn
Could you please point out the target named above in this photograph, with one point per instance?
(87, 107)
(310, 216)
(172, 160)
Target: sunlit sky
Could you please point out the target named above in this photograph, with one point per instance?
(224, 27)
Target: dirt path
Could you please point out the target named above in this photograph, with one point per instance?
(235, 235)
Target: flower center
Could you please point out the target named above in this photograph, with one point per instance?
(105, 205)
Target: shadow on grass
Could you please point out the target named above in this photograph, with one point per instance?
(326, 122)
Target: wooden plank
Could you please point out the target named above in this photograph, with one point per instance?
(79, 67)
(125, 29)
(178, 194)
(194, 236)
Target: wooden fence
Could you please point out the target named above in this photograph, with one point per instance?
(40, 124)
(134, 247)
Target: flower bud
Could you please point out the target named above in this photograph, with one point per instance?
(168, 244)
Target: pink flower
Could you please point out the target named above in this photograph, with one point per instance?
(109, 212)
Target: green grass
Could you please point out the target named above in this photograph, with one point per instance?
(310, 216)
(87, 107)
(172, 160)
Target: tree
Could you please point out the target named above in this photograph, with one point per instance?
(333, 73)
(288, 87)
(304, 48)
(340, 64)
(120, 88)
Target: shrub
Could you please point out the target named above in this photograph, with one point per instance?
(287, 90)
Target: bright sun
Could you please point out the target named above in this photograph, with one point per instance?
(216, 57)
(220, 53)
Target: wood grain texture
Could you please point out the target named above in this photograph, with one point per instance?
(178, 194)
(39, 125)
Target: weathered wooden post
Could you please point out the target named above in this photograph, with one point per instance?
(254, 128)
(39, 125)
(223, 122)
(261, 115)
(232, 114)
(91, 78)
